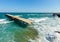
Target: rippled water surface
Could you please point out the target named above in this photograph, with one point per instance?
(41, 30)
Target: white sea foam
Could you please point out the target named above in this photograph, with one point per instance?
(38, 19)
(46, 28)
(4, 21)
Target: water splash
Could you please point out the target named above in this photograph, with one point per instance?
(46, 28)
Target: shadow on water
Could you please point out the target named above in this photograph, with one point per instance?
(24, 34)
(21, 23)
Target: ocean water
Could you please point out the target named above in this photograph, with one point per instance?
(41, 30)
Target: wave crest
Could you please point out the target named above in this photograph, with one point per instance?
(4, 21)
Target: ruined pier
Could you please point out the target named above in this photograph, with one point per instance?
(56, 14)
(21, 21)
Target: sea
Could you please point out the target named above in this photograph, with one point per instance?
(42, 29)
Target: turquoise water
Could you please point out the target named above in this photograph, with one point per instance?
(42, 29)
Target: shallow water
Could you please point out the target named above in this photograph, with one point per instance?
(42, 29)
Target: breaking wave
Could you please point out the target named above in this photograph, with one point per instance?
(4, 21)
(38, 19)
(46, 28)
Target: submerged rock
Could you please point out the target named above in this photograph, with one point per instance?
(57, 31)
(56, 14)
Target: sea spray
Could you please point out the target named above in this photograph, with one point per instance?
(46, 29)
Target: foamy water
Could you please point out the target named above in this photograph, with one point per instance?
(46, 28)
(4, 21)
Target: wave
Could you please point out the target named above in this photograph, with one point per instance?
(46, 28)
(38, 19)
(4, 21)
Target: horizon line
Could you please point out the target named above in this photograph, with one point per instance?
(29, 12)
